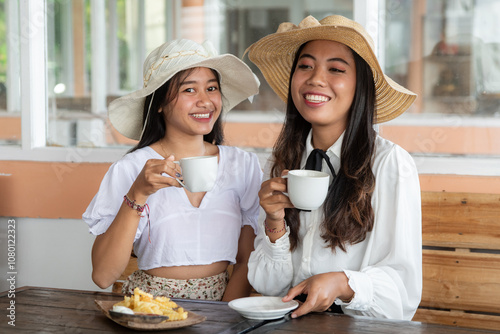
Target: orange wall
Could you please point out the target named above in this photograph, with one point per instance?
(443, 139)
(48, 189)
(261, 135)
(10, 128)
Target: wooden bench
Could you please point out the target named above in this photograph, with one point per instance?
(461, 260)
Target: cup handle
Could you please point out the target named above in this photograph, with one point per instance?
(180, 182)
(285, 177)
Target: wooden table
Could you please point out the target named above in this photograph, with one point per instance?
(74, 311)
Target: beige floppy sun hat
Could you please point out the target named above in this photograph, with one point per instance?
(274, 55)
(237, 81)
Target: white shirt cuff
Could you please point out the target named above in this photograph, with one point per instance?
(362, 286)
(280, 249)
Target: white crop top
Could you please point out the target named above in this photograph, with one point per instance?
(180, 233)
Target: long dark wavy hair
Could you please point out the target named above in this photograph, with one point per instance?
(348, 214)
(155, 126)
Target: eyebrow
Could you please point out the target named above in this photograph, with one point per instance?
(193, 82)
(307, 55)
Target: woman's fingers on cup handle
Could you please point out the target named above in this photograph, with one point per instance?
(175, 165)
(162, 173)
(272, 199)
(163, 181)
(150, 179)
(274, 202)
(277, 185)
(171, 168)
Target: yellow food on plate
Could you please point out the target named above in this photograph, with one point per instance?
(143, 302)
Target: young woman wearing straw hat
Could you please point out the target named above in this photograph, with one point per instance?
(360, 253)
(184, 241)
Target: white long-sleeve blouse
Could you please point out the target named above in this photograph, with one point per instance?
(384, 270)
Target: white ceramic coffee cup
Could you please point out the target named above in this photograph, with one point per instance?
(307, 189)
(199, 173)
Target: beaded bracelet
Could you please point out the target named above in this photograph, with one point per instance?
(273, 230)
(140, 209)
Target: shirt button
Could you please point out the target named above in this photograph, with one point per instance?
(306, 260)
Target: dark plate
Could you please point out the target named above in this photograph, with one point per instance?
(137, 318)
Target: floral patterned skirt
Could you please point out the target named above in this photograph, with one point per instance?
(209, 288)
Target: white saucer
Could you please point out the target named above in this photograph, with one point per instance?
(262, 307)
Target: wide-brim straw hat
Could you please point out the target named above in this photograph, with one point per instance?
(237, 81)
(274, 55)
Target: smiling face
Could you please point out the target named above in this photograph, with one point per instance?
(324, 83)
(197, 105)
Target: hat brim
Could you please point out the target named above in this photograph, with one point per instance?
(274, 55)
(237, 83)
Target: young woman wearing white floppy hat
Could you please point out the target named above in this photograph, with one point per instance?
(360, 252)
(184, 241)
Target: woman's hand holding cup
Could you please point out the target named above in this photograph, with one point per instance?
(274, 201)
(150, 179)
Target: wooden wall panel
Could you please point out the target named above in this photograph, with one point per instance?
(461, 281)
(461, 220)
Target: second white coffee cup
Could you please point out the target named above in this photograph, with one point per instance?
(307, 189)
(199, 173)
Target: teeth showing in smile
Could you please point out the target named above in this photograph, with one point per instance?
(207, 115)
(316, 98)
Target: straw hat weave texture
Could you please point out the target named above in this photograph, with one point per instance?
(274, 56)
(237, 81)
